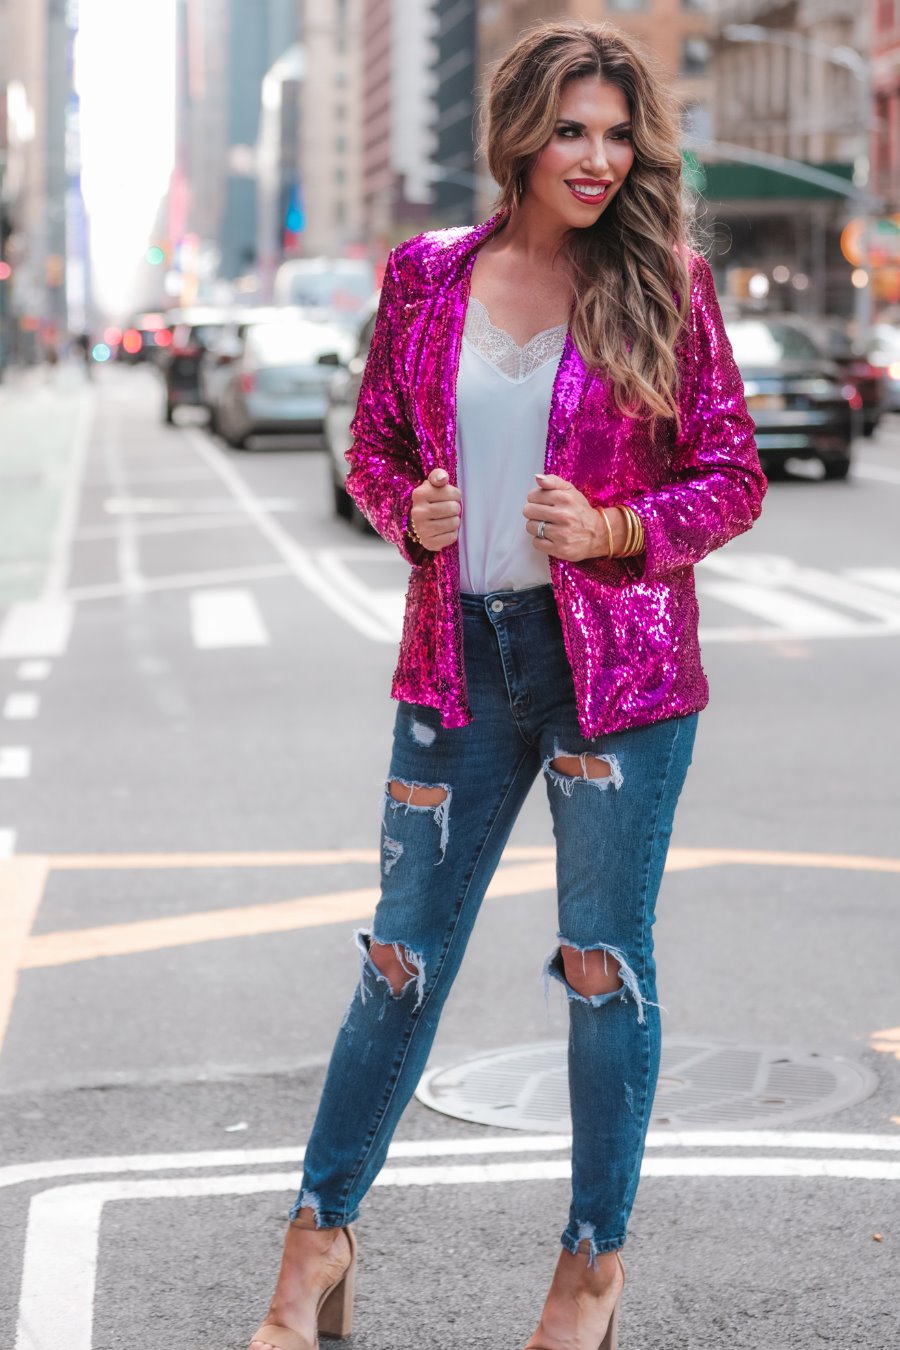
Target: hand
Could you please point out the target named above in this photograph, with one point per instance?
(573, 529)
(435, 511)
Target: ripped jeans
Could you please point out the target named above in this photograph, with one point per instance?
(612, 834)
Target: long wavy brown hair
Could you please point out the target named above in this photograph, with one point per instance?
(630, 269)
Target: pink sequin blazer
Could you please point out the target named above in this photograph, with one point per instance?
(630, 627)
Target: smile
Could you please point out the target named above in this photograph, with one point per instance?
(587, 192)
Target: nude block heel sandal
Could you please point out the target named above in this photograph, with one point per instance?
(611, 1339)
(334, 1315)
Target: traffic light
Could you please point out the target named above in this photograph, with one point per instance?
(155, 255)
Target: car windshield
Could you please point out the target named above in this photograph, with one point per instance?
(887, 340)
(344, 290)
(301, 344)
(768, 344)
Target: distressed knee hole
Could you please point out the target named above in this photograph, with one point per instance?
(581, 766)
(394, 962)
(565, 771)
(596, 975)
(392, 965)
(413, 794)
(592, 972)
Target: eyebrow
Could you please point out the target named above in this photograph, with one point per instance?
(570, 122)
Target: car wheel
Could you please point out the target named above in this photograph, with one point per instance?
(213, 423)
(775, 470)
(169, 415)
(343, 502)
(836, 469)
(235, 440)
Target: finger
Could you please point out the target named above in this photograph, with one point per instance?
(549, 496)
(438, 478)
(431, 511)
(426, 492)
(551, 480)
(541, 511)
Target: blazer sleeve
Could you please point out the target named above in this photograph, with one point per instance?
(384, 460)
(717, 485)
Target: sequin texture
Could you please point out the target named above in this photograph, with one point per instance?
(630, 626)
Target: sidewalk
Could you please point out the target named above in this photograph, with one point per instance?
(42, 416)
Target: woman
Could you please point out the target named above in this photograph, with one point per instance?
(552, 430)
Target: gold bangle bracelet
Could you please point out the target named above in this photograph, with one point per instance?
(412, 532)
(629, 537)
(609, 533)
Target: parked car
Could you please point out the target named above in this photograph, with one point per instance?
(280, 381)
(192, 332)
(835, 344)
(337, 288)
(802, 406)
(885, 353)
(343, 395)
(223, 350)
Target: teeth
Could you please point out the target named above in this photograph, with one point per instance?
(589, 191)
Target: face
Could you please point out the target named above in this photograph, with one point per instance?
(587, 159)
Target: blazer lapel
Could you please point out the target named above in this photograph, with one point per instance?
(435, 348)
(572, 379)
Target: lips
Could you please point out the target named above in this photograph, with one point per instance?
(589, 190)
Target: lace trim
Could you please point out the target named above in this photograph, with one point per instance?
(503, 352)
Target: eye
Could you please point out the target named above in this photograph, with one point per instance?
(568, 133)
(622, 136)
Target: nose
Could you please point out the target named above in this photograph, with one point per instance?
(596, 161)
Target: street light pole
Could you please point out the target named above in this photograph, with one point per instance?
(861, 70)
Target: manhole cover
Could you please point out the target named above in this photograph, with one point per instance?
(702, 1083)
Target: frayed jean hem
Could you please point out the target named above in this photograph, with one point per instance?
(572, 1239)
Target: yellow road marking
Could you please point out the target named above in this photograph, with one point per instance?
(281, 916)
(23, 879)
(888, 1042)
(22, 882)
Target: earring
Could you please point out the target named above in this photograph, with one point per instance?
(519, 189)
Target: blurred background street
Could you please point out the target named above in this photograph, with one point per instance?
(197, 635)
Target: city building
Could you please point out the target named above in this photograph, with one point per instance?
(399, 82)
(224, 50)
(42, 216)
(330, 129)
(787, 88)
(456, 76)
(886, 81)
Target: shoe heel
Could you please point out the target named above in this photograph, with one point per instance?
(336, 1313)
(611, 1339)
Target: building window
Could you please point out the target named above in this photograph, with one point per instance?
(694, 56)
(696, 121)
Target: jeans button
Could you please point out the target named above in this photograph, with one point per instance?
(497, 606)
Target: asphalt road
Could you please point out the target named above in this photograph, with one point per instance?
(194, 667)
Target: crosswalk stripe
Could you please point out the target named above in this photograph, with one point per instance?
(226, 618)
(789, 612)
(21, 707)
(15, 761)
(36, 628)
(882, 578)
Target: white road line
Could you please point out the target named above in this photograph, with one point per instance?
(876, 473)
(116, 590)
(34, 670)
(36, 628)
(384, 605)
(21, 707)
(15, 761)
(226, 618)
(17, 1174)
(882, 578)
(61, 552)
(59, 1271)
(298, 559)
(227, 520)
(140, 506)
(788, 613)
(7, 843)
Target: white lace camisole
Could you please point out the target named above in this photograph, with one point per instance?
(503, 396)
